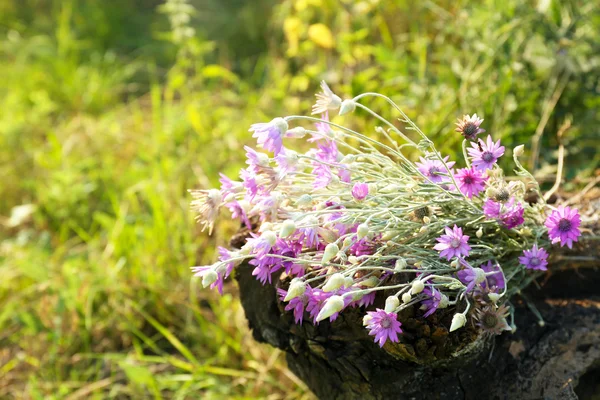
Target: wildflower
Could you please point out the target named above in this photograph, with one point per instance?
(391, 303)
(417, 286)
(534, 258)
(269, 134)
(347, 106)
(297, 288)
(492, 320)
(330, 251)
(453, 243)
(563, 226)
(485, 154)
(288, 227)
(332, 305)
(286, 161)
(334, 282)
(360, 191)
(469, 126)
(471, 276)
(210, 276)
(432, 302)
(326, 100)
(519, 150)
(513, 216)
(470, 181)
(365, 300)
(206, 203)
(493, 282)
(383, 325)
(458, 321)
(297, 304)
(434, 170)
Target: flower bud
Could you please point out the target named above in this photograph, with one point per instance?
(270, 237)
(296, 133)
(353, 259)
(288, 227)
(391, 303)
(209, 278)
(370, 282)
(347, 242)
(334, 282)
(426, 219)
(417, 287)
(362, 231)
(330, 251)
(347, 106)
(479, 275)
(327, 234)
(304, 200)
(297, 288)
(494, 297)
(281, 124)
(519, 150)
(458, 321)
(454, 264)
(479, 233)
(423, 229)
(366, 319)
(444, 301)
(333, 305)
(373, 189)
(400, 264)
(348, 281)
(406, 298)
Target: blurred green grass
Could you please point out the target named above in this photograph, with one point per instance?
(109, 114)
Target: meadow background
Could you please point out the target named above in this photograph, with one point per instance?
(111, 110)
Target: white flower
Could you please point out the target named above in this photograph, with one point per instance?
(206, 203)
(326, 100)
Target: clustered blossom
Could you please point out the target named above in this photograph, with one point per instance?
(350, 220)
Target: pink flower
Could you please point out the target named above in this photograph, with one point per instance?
(470, 181)
(485, 154)
(534, 258)
(563, 226)
(360, 191)
(433, 169)
(269, 134)
(453, 243)
(383, 326)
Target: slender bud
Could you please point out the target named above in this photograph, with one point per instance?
(288, 227)
(417, 286)
(209, 278)
(347, 106)
(347, 242)
(423, 229)
(400, 264)
(519, 150)
(297, 288)
(362, 231)
(391, 303)
(333, 305)
(479, 275)
(458, 321)
(330, 251)
(334, 282)
(479, 233)
(406, 298)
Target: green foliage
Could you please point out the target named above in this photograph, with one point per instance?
(107, 118)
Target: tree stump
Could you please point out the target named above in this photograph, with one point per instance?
(557, 360)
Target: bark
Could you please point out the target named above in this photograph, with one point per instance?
(557, 360)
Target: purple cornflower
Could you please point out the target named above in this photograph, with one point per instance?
(297, 304)
(433, 169)
(383, 326)
(563, 226)
(485, 154)
(534, 258)
(470, 181)
(493, 282)
(469, 126)
(269, 134)
(432, 302)
(453, 243)
(360, 191)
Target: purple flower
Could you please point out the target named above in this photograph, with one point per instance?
(383, 326)
(268, 263)
(365, 301)
(563, 226)
(534, 258)
(469, 126)
(269, 134)
(360, 191)
(432, 302)
(433, 169)
(470, 276)
(297, 304)
(513, 216)
(453, 243)
(470, 181)
(494, 282)
(317, 299)
(201, 271)
(485, 154)
(492, 209)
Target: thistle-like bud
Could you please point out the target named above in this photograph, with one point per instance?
(362, 231)
(288, 227)
(209, 278)
(418, 286)
(406, 298)
(391, 303)
(519, 150)
(400, 264)
(330, 251)
(297, 288)
(334, 282)
(479, 233)
(333, 305)
(458, 321)
(347, 106)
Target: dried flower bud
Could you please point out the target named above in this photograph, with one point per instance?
(406, 298)
(334, 282)
(297, 288)
(333, 305)
(209, 278)
(366, 319)
(454, 264)
(391, 303)
(362, 231)
(288, 227)
(304, 200)
(400, 264)
(458, 321)
(347, 106)
(417, 287)
(347, 242)
(330, 251)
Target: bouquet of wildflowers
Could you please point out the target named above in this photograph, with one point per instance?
(354, 217)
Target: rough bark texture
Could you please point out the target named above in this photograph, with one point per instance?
(560, 360)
